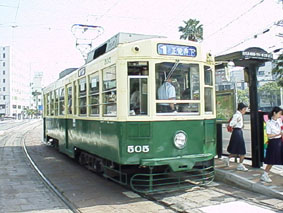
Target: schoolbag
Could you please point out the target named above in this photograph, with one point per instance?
(229, 128)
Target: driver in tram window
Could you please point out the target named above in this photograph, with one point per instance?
(166, 92)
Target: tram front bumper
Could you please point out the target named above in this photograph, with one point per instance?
(179, 163)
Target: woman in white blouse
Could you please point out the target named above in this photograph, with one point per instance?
(236, 145)
(274, 151)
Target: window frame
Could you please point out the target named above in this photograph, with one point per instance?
(211, 88)
(110, 90)
(191, 101)
(95, 75)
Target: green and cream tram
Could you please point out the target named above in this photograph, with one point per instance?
(108, 114)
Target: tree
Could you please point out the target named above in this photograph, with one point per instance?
(278, 70)
(193, 30)
(269, 92)
(243, 96)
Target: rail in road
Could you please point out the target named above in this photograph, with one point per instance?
(88, 192)
(20, 189)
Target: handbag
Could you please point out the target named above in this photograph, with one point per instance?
(229, 128)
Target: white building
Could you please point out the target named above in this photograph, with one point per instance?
(264, 75)
(14, 83)
(36, 92)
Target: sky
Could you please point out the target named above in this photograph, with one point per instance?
(41, 31)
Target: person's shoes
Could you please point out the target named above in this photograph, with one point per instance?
(265, 178)
(226, 161)
(241, 167)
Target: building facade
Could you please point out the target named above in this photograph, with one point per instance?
(36, 93)
(14, 84)
(266, 99)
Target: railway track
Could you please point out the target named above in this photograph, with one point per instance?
(60, 195)
(31, 192)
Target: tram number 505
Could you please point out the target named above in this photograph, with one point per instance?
(138, 149)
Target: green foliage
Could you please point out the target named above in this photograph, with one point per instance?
(243, 96)
(278, 70)
(270, 93)
(193, 30)
(269, 87)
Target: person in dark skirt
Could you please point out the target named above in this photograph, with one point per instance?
(274, 151)
(236, 145)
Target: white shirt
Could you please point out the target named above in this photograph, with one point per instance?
(135, 99)
(166, 91)
(237, 120)
(274, 127)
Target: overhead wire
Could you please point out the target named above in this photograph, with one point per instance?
(235, 19)
(254, 36)
(3, 5)
(17, 10)
(108, 10)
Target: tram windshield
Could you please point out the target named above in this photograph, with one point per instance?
(180, 84)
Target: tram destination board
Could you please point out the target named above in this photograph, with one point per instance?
(176, 50)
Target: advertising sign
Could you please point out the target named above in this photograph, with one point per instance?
(225, 104)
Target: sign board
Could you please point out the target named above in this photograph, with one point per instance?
(176, 50)
(225, 104)
(81, 72)
(256, 53)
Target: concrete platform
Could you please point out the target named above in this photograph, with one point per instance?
(250, 180)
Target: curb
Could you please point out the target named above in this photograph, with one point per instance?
(232, 178)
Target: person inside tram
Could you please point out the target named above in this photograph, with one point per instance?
(166, 92)
(135, 100)
(186, 95)
(69, 105)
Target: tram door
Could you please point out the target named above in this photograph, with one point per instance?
(138, 88)
(69, 112)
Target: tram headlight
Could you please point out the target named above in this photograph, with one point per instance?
(180, 140)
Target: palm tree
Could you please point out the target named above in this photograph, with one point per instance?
(193, 30)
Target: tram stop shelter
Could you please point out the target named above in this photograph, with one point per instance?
(251, 59)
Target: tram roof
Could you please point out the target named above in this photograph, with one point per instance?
(113, 42)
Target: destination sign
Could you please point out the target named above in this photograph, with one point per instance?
(257, 55)
(81, 72)
(176, 50)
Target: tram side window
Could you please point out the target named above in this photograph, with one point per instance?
(52, 103)
(176, 81)
(138, 94)
(56, 101)
(61, 101)
(208, 98)
(70, 100)
(82, 96)
(207, 75)
(48, 104)
(208, 90)
(75, 99)
(109, 91)
(94, 94)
